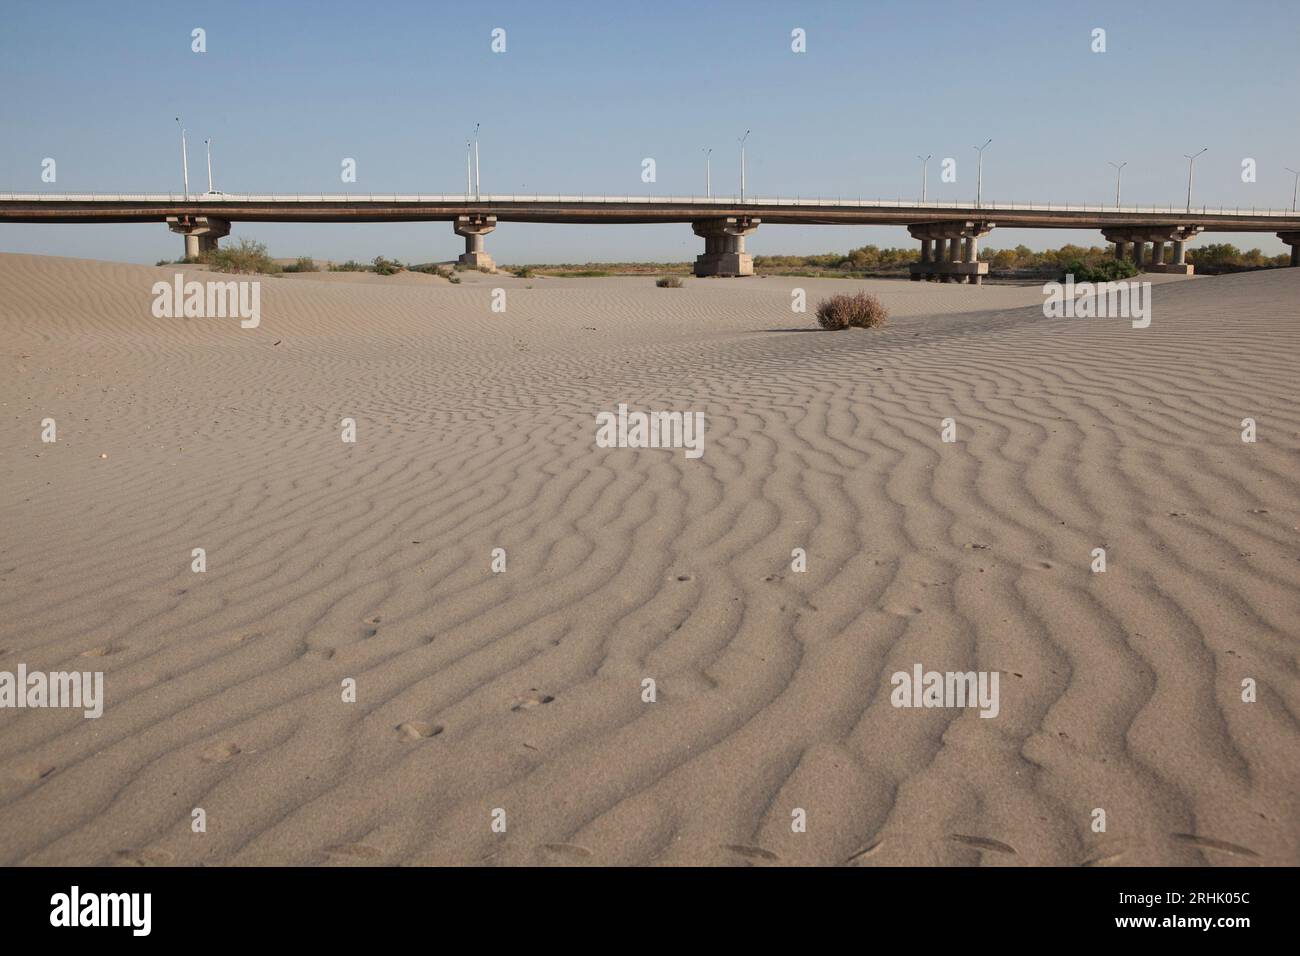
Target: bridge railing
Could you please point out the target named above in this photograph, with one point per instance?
(987, 208)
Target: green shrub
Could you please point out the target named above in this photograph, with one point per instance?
(246, 256)
(860, 311)
(522, 272)
(1107, 270)
(350, 266)
(304, 264)
(387, 267)
(669, 282)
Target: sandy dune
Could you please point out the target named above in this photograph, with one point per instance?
(522, 690)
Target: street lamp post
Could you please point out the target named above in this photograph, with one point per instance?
(1119, 171)
(708, 174)
(185, 160)
(469, 173)
(742, 165)
(924, 161)
(1191, 162)
(478, 183)
(1294, 185)
(208, 144)
(979, 175)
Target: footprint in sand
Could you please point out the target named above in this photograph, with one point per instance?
(911, 611)
(570, 850)
(418, 730)
(1208, 843)
(750, 852)
(141, 857)
(531, 700)
(102, 651)
(355, 851)
(865, 852)
(983, 843)
(33, 771)
(219, 753)
(1106, 859)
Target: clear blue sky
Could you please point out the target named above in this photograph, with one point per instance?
(586, 90)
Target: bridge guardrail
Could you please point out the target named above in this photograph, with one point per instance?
(728, 201)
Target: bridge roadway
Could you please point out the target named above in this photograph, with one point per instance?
(949, 233)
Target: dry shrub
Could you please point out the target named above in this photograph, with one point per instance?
(860, 311)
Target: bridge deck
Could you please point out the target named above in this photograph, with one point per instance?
(127, 207)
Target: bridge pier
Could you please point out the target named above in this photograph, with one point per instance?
(724, 246)
(474, 228)
(927, 257)
(1292, 239)
(1175, 237)
(201, 233)
(1121, 249)
(956, 251)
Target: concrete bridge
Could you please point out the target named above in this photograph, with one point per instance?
(949, 233)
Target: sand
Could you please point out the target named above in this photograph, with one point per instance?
(522, 691)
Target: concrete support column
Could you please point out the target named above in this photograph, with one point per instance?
(201, 233)
(1292, 239)
(474, 228)
(1168, 247)
(927, 256)
(972, 254)
(954, 255)
(724, 246)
